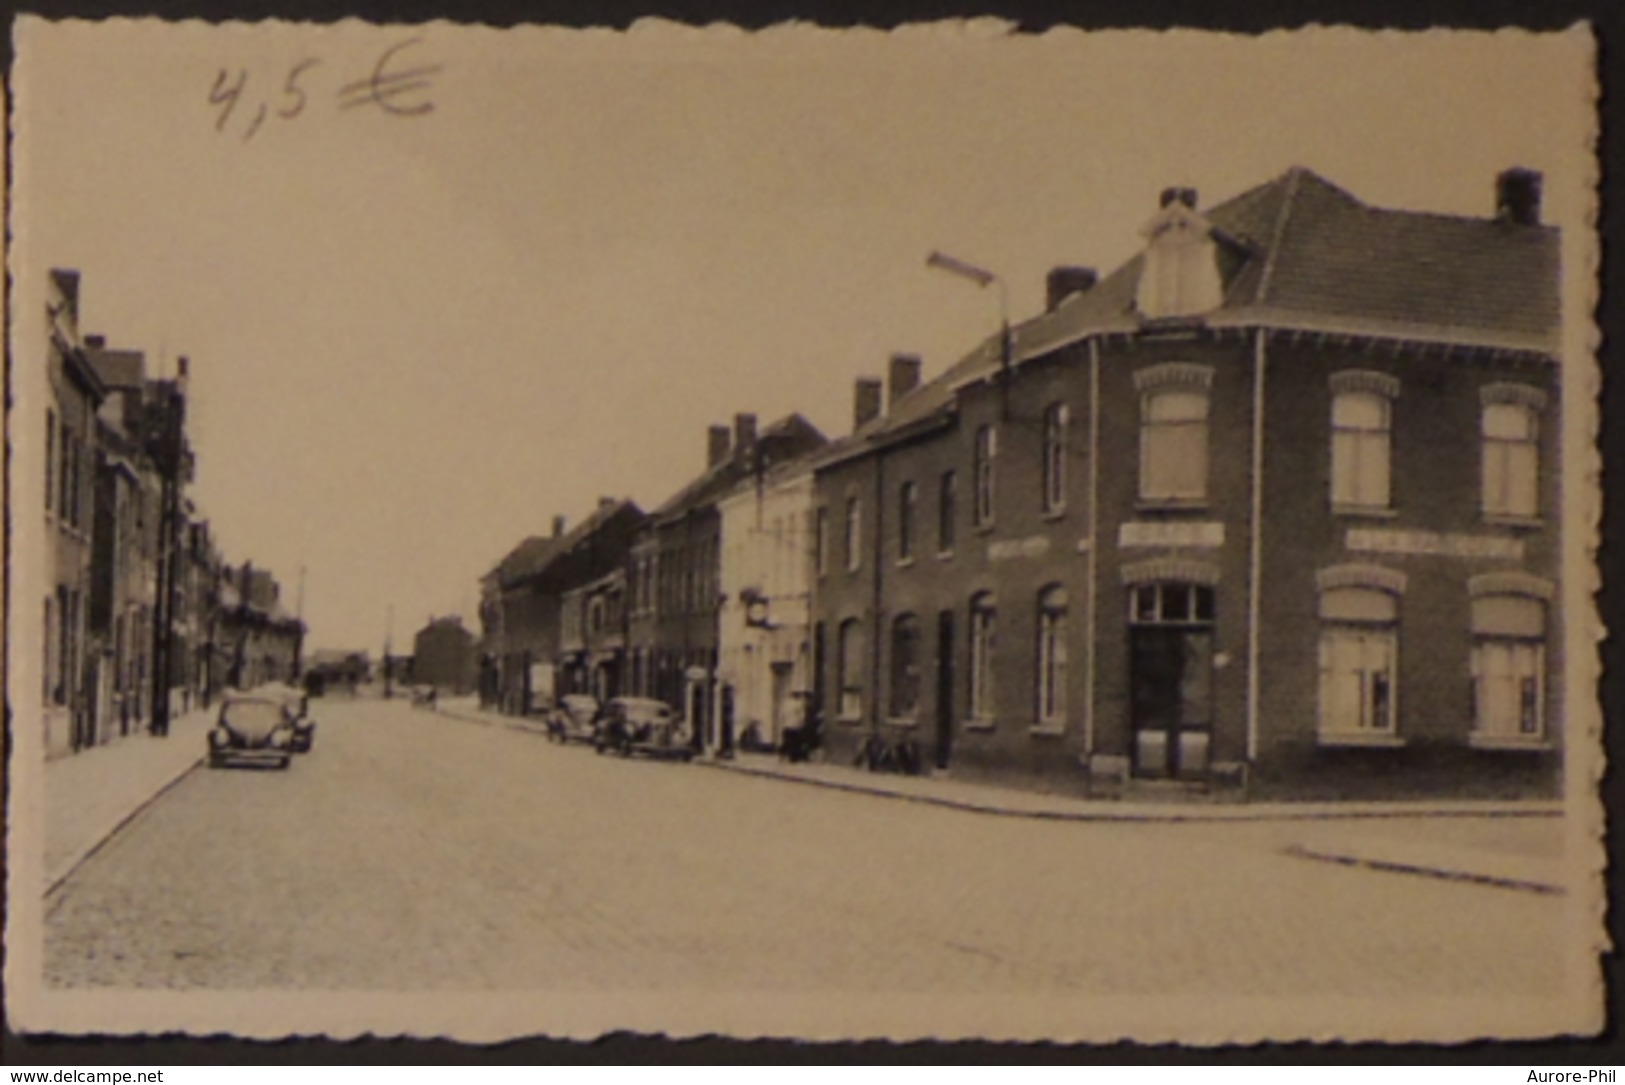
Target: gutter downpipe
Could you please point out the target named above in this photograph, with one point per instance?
(1256, 546)
(1091, 604)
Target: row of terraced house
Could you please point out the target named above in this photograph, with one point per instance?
(142, 617)
(1272, 509)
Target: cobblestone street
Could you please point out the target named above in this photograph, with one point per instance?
(414, 851)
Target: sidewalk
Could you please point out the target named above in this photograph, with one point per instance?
(89, 796)
(1010, 802)
(1378, 850)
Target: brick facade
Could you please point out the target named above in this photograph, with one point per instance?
(1171, 578)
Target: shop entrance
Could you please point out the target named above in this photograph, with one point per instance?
(1171, 678)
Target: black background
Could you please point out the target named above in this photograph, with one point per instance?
(1254, 16)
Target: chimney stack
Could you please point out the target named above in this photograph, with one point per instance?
(1517, 197)
(1063, 282)
(558, 527)
(96, 342)
(744, 433)
(716, 445)
(902, 377)
(865, 401)
(1186, 196)
(181, 367)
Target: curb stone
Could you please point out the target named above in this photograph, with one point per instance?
(66, 868)
(1128, 813)
(1131, 813)
(1400, 866)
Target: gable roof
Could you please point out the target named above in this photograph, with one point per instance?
(118, 368)
(1303, 254)
(537, 554)
(718, 479)
(1312, 256)
(528, 556)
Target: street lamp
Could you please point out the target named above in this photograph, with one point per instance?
(984, 278)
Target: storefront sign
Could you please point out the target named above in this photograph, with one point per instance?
(1031, 547)
(1200, 535)
(1380, 540)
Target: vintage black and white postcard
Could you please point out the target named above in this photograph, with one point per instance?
(940, 532)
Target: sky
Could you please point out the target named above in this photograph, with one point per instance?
(417, 334)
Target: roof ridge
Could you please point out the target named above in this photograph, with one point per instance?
(1292, 178)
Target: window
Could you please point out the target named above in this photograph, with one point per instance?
(907, 499)
(1171, 603)
(982, 620)
(50, 462)
(1508, 670)
(849, 677)
(821, 541)
(905, 667)
(947, 510)
(1052, 657)
(854, 525)
(1358, 664)
(66, 501)
(1056, 419)
(1173, 444)
(986, 449)
(50, 649)
(1511, 460)
(1361, 433)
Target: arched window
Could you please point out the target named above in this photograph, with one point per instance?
(849, 669)
(1509, 669)
(1358, 663)
(905, 666)
(1052, 656)
(1056, 419)
(983, 616)
(1361, 450)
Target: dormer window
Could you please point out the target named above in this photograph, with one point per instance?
(1181, 273)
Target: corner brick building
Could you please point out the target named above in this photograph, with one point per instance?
(1271, 508)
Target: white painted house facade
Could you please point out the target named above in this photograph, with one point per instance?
(765, 662)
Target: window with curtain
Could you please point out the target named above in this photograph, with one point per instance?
(947, 510)
(821, 541)
(1056, 423)
(1509, 668)
(854, 530)
(1173, 444)
(849, 667)
(907, 499)
(1361, 443)
(905, 666)
(1358, 663)
(983, 454)
(983, 617)
(1052, 655)
(1511, 460)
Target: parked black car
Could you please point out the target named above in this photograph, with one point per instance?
(252, 730)
(641, 725)
(576, 718)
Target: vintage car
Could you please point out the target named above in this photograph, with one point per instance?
(252, 729)
(296, 704)
(574, 719)
(642, 725)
